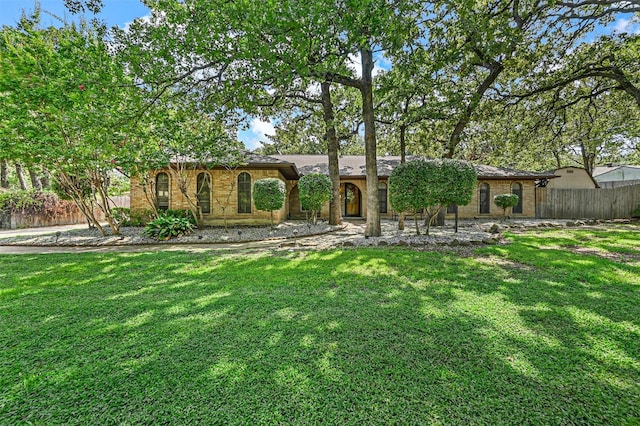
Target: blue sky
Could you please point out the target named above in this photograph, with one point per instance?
(120, 12)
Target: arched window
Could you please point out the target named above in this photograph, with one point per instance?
(485, 198)
(162, 191)
(382, 196)
(517, 190)
(244, 193)
(204, 192)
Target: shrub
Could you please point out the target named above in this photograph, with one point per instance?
(180, 214)
(431, 184)
(505, 201)
(35, 203)
(315, 190)
(636, 212)
(167, 227)
(269, 195)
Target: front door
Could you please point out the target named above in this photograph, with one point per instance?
(351, 200)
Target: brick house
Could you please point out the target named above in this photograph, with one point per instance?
(231, 189)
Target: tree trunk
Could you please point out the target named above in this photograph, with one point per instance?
(35, 181)
(373, 205)
(403, 143)
(335, 216)
(4, 174)
(23, 183)
(456, 134)
(45, 180)
(403, 159)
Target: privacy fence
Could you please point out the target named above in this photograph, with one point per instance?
(72, 216)
(601, 203)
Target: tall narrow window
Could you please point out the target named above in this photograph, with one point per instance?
(485, 198)
(204, 192)
(244, 193)
(516, 189)
(382, 196)
(162, 191)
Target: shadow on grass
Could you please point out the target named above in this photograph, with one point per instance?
(349, 337)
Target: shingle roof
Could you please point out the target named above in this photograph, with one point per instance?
(354, 166)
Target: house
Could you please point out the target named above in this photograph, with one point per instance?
(227, 192)
(611, 175)
(572, 178)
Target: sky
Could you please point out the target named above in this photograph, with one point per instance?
(120, 12)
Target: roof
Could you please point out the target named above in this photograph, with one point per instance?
(600, 170)
(354, 166)
(254, 161)
(350, 165)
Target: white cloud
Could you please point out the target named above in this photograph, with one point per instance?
(257, 131)
(260, 127)
(146, 19)
(626, 25)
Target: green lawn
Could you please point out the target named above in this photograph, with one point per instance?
(543, 331)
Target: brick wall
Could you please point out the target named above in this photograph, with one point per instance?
(221, 184)
(496, 187)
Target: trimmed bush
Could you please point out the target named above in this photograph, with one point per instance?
(269, 195)
(167, 227)
(315, 191)
(431, 184)
(505, 201)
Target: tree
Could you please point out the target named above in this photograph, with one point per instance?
(246, 50)
(315, 191)
(429, 185)
(66, 106)
(506, 201)
(269, 195)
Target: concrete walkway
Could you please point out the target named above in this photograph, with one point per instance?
(9, 233)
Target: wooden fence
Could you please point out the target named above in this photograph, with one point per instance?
(601, 203)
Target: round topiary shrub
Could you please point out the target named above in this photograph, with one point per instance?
(315, 190)
(269, 195)
(505, 201)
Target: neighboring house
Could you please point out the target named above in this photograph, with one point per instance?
(572, 178)
(236, 186)
(611, 176)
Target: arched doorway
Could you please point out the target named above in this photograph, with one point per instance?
(352, 198)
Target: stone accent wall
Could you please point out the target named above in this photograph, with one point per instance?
(222, 182)
(472, 210)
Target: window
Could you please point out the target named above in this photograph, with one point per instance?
(382, 196)
(244, 193)
(485, 199)
(162, 191)
(517, 190)
(204, 192)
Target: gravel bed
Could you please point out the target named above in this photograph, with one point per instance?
(135, 236)
(291, 235)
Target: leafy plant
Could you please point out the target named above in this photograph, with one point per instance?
(180, 214)
(269, 195)
(505, 201)
(35, 203)
(430, 184)
(167, 227)
(315, 190)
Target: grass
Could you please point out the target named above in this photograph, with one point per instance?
(513, 334)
